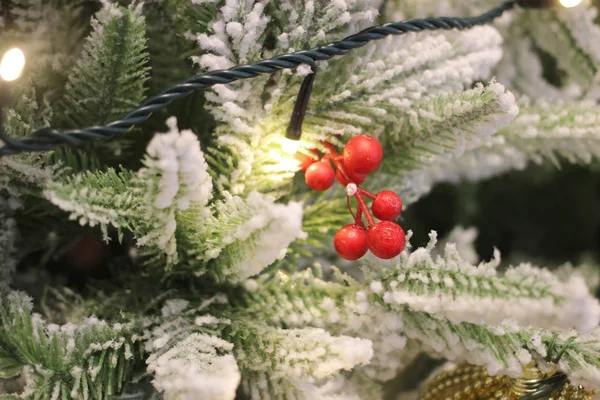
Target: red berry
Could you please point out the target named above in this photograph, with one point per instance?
(363, 154)
(320, 176)
(386, 239)
(387, 206)
(354, 177)
(351, 242)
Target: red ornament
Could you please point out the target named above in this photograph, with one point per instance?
(87, 254)
(351, 242)
(387, 206)
(386, 239)
(320, 176)
(363, 154)
(353, 177)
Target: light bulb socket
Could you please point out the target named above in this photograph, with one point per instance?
(294, 129)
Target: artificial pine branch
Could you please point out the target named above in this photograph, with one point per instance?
(26, 173)
(106, 82)
(555, 130)
(239, 236)
(545, 130)
(88, 360)
(145, 202)
(574, 36)
(409, 301)
(108, 79)
(8, 240)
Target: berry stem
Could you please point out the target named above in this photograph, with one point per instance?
(339, 166)
(358, 219)
(350, 208)
(364, 208)
(337, 159)
(331, 149)
(367, 193)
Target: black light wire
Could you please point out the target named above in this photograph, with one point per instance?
(48, 138)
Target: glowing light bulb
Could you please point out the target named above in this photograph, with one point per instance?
(12, 64)
(570, 3)
(290, 146)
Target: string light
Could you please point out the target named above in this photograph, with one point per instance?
(12, 64)
(46, 138)
(570, 3)
(290, 146)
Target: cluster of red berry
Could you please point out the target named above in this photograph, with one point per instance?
(361, 156)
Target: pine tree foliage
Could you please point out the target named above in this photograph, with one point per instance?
(392, 79)
(566, 35)
(246, 235)
(545, 130)
(587, 269)
(88, 360)
(308, 301)
(199, 366)
(25, 172)
(410, 299)
(352, 323)
(522, 69)
(410, 9)
(23, 175)
(388, 90)
(169, 54)
(343, 387)
(573, 47)
(174, 178)
(556, 130)
(501, 342)
(189, 347)
(480, 111)
(321, 212)
(241, 235)
(558, 304)
(446, 132)
(186, 358)
(215, 302)
(108, 79)
(49, 33)
(8, 238)
(300, 353)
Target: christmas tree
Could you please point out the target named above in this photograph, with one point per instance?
(193, 247)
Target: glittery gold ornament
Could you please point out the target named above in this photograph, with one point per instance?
(470, 382)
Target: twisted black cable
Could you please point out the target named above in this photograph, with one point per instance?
(48, 138)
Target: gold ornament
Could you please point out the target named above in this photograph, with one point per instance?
(470, 382)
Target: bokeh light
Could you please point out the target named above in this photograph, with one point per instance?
(12, 64)
(570, 3)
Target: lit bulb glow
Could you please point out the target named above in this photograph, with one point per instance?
(12, 64)
(290, 146)
(570, 3)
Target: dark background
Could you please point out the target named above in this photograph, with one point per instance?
(543, 213)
